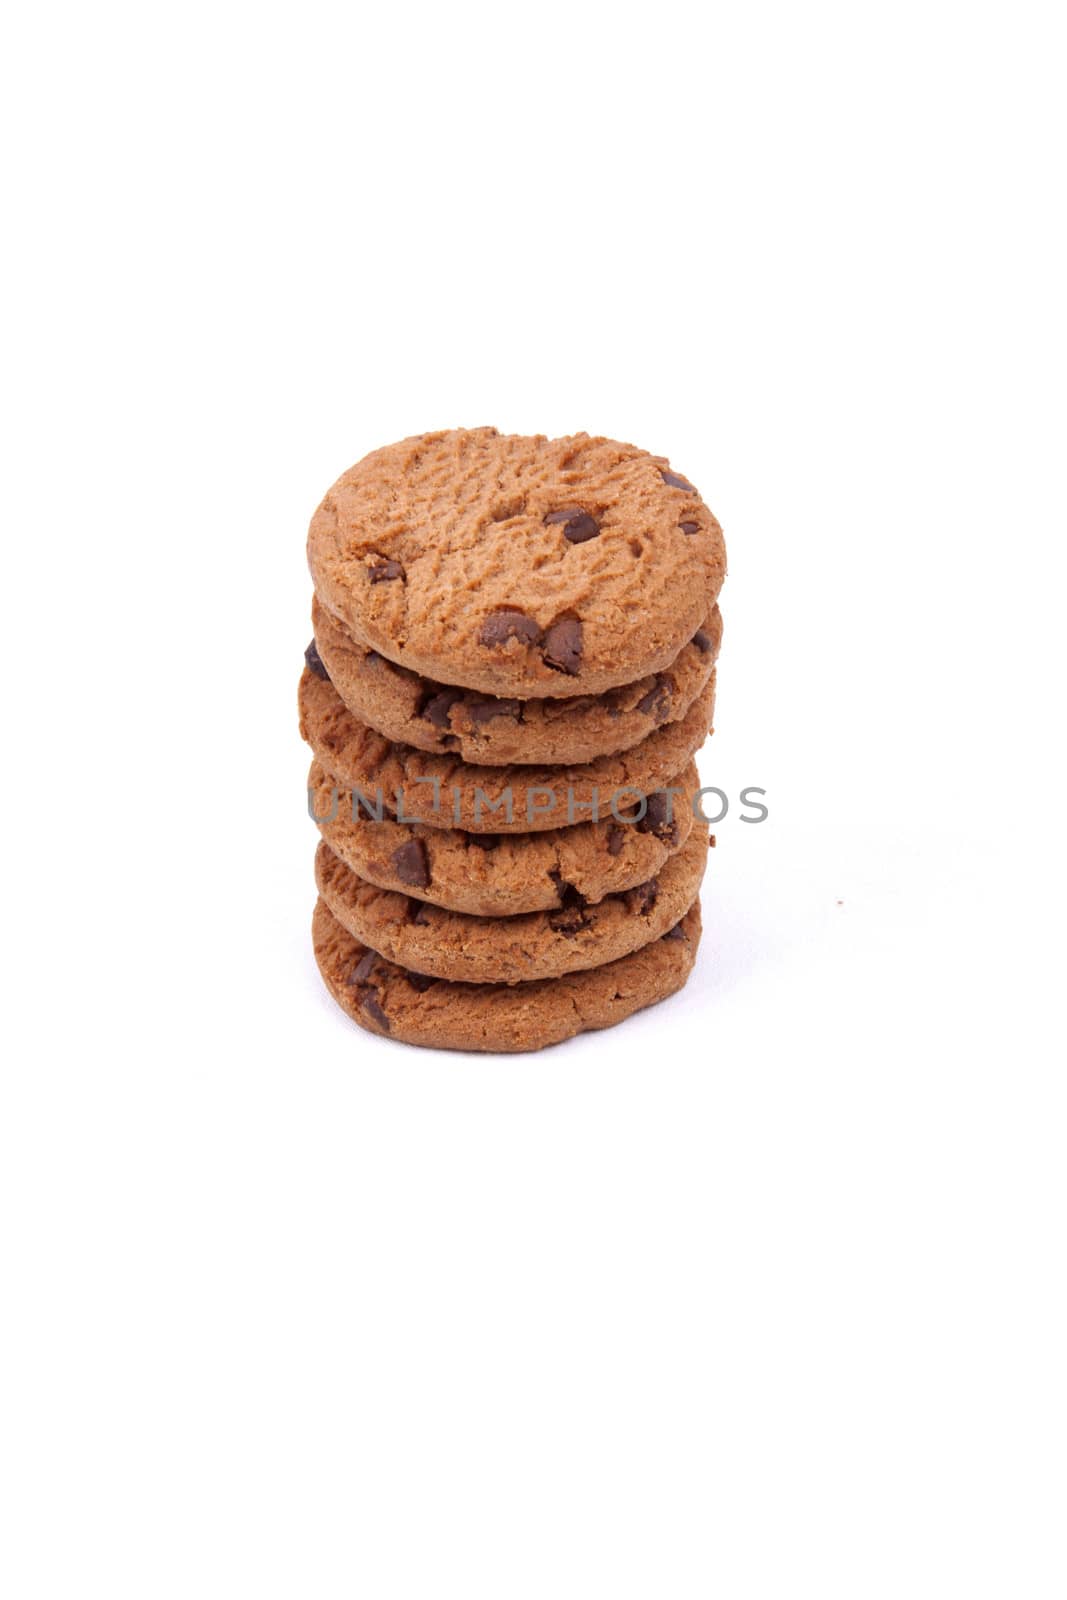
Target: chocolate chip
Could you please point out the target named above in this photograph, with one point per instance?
(578, 525)
(416, 913)
(419, 981)
(500, 626)
(658, 817)
(657, 702)
(643, 897)
(711, 841)
(362, 971)
(481, 711)
(616, 838)
(581, 529)
(701, 640)
(410, 864)
(385, 571)
(569, 896)
(570, 921)
(674, 481)
(689, 527)
(572, 915)
(368, 999)
(677, 932)
(437, 706)
(314, 661)
(484, 841)
(563, 645)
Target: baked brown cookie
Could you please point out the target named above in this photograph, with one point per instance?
(529, 567)
(502, 875)
(448, 793)
(542, 944)
(413, 710)
(415, 1009)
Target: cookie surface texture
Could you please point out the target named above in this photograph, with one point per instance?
(518, 566)
(495, 731)
(405, 1006)
(446, 792)
(501, 875)
(571, 937)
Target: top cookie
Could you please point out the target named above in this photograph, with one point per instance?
(518, 566)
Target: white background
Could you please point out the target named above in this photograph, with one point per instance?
(761, 1295)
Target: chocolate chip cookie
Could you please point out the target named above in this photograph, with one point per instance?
(572, 937)
(487, 729)
(445, 792)
(502, 875)
(409, 1006)
(519, 567)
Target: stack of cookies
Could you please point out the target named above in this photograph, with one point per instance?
(512, 670)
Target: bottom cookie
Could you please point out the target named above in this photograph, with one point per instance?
(398, 1004)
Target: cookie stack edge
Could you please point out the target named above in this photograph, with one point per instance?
(480, 887)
